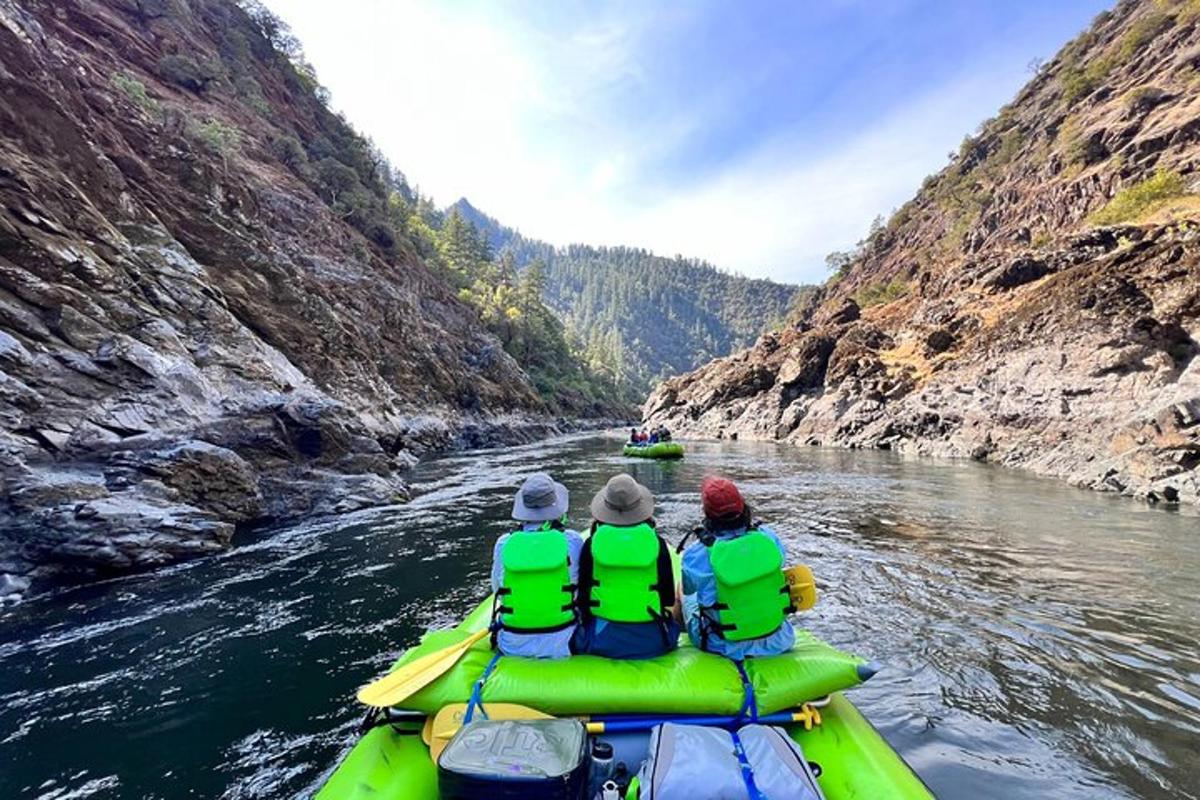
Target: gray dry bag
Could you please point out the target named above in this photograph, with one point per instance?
(542, 759)
(687, 762)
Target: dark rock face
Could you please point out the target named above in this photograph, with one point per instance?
(1091, 377)
(191, 339)
(1016, 273)
(1027, 335)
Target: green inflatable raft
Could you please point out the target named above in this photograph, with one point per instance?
(392, 762)
(657, 450)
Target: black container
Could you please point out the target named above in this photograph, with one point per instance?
(544, 759)
(601, 769)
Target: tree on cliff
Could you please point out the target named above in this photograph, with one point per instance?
(512, 305)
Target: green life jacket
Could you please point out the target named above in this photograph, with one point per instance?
(625, 574)
(752, 592)
(536, 595)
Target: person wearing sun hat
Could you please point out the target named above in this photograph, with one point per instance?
(735, 597)
(626, 587)
(534, 572)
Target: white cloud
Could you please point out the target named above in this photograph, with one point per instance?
(524, 123)
(777, 212)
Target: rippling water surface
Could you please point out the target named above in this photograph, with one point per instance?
(1038, 641)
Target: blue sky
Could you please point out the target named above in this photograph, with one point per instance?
(757, 135)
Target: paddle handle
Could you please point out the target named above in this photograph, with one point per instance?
(802, 587)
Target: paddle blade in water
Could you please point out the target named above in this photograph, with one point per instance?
(405, 681)
(802, 587)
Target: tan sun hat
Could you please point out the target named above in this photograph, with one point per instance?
(622, 501)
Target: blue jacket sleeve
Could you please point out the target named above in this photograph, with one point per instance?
(497, 564)
(574, 546)
(775, 538)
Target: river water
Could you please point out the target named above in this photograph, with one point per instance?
(1037, 640)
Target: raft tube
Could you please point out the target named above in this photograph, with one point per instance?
(684, 681)
(392, 762)
(657, 450)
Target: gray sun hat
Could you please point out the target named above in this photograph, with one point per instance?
(540, 499)
(622, 501)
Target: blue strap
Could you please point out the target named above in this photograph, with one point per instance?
(747, 772)
(749, 709)
(476, 700)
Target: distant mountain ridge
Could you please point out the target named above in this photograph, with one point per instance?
(653, 316)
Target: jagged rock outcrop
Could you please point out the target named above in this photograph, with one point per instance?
(191, 338)
(1000, 315)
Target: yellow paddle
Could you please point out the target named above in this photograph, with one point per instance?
(405, 681)
(802, 587)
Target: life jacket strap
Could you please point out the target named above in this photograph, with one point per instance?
(697, 531)
(710, 623)
(661, 620)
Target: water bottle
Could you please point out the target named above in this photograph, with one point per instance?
(602, 768)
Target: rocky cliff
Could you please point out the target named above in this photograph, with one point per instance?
(1037, 304)
(197, 329)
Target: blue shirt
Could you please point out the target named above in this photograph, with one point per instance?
(700, 589)
(556, 644)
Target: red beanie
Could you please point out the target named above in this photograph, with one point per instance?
(720, 498)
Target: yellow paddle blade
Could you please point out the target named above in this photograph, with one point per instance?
(436, 747)
(403, 682)
(427, 731)
(802, 587)
(450, 719)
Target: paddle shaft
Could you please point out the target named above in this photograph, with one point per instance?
(408, 679)
(449, 719)
(645, 723)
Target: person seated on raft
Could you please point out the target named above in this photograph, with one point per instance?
(654, 436)
(626, 589)
(735, 596)
(534, 572)
(633, 436)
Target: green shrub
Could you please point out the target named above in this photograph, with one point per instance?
(289, 151)
(135, 90)
(1135, 201)
(875, 294)
(1040, 239)
(336, 179)
(1074, 48)
(1078, 82)
(188, 73)
(248, 90)
(1142, 32)
(1072, 142)
(839, 262)
(215, 135)
(900, 217)
(1144, 98)
(1010, 145)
